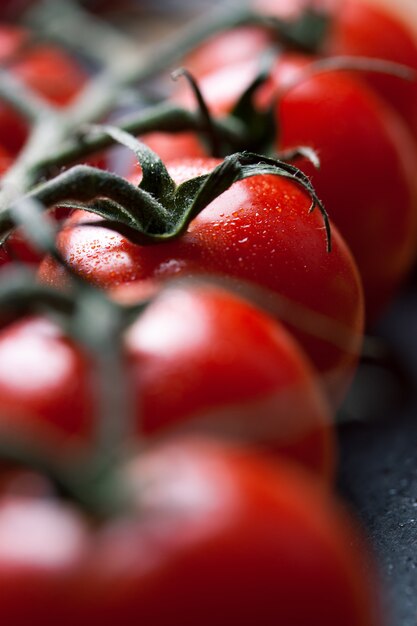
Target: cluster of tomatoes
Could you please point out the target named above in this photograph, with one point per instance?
(177, 469)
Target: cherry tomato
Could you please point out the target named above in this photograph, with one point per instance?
(368, 159)
(354, 28)
(198, 358)
(214, 536)
(259, 230)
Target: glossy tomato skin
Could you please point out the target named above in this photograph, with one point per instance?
(44, 389)
(237, 373)
(198, 359)
(216, 529)
(259, 230)
(368, 159)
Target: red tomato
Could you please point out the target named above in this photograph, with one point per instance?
(215, 536)
(355, 28)
(368, 160)
(44, 68)
(199, 357)
(258, 230)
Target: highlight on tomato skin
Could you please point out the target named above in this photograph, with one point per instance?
(218, 533)
(199, 359)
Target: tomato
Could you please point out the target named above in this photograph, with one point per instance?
(368, 159)
(355, 28)
(198, 358)
(215, 536)
(44, 68)
(258, 230)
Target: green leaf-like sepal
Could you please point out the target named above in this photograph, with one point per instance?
(155, 178)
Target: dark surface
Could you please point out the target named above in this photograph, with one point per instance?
(378, 470)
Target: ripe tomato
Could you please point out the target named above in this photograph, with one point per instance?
(258, 230)
(354, 27)
(198, 358)
(46, 69)
(215, 536)
(368, 159)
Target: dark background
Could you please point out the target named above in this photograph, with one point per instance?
(378, 469)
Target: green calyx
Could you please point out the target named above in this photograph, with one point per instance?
(306, 33)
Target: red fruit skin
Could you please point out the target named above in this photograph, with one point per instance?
(199, 359)
(259, 230)
(366, 178)
(220, 535)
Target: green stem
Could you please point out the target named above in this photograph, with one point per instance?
(68, 23)
(48, 132)
(165, 117)
(209, 128)
(103, 92)
(23, 100)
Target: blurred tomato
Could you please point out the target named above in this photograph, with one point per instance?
(198, 358)
(214, 536)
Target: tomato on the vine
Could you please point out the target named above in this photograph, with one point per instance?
(198, 358)
(213, 535)
(351, 28)
(367, 159)
(259, 230)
